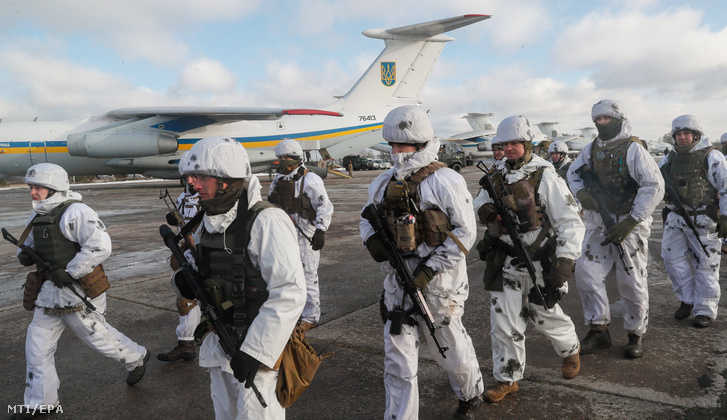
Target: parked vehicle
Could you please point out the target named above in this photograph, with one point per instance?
(454, 157)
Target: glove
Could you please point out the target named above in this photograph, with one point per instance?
(25, 259)
(318, 240)
(244, 367)
(586, 199)
(61, 277)
(377, 249)
(618, 232)
(664, 214)
(722, 227)
(171, 220)
(560, 272)
(422, 276)
(487, 213)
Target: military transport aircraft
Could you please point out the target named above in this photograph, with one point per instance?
(479, 139)
(150, 140)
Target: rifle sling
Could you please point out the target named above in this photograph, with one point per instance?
(193, 223)
(26, 232)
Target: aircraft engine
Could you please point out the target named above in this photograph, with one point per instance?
(115, 145)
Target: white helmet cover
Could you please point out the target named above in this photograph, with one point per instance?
(407, 124)
(558, 147)
(182, 161)
(288, 147)
(607, 108)
(48, 175)
(514, 128)
(723, 139)
(221, 157)
(686, 122)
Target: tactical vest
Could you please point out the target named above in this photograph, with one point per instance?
(218, 268)
(563, 170)
(611, 169)
(688, 173)
(50, 244)
(284, 196)
(522, 198)
(406, 222)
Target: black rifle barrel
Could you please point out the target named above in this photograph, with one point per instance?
(228, 342)
(511, 226)
(46, 266)
(590, 182)
(373, 213)
(681, 211)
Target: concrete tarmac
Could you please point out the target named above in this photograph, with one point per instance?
(682, 375)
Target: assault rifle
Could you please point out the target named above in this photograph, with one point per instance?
(510, 221)
(228, 341)
(373, 213)
(590, 182)
(681, 211)
(47, 267)
(171, 205)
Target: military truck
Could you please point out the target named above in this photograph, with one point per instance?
(359, 163)
(453, 156)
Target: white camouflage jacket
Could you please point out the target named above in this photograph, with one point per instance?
(80, 224)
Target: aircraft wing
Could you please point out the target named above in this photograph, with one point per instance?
(215, 114)
(437, 27)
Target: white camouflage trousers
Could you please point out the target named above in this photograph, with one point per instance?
(597, 261)
(402, 358)
(510, 312)
(188, 323)
(310, 259)
(694, 277)
(232, 401)
(42, 340)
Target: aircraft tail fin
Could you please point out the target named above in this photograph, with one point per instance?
(400, 71)
(480, 121)
(549, 129)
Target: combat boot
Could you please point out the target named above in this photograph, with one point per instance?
(571, 366)
(635, 347)
(183, 351)
(499, 391)
(596, 339)
(135, 375)
(468, 409)
(684, 311)
(701, 321)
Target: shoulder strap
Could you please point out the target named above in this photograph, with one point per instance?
(422, 173)
(26, 232)
(596, 148)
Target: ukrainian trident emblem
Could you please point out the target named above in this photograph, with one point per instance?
(388, 73)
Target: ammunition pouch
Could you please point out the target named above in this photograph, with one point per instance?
(551, 296)
(95, 283)
(435, 226)
(31, 288)
(398, 317)
(219, 295)
(185, 305)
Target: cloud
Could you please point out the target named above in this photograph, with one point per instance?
(54, 88)
(206, 76)
(672, 53)
(135, 29)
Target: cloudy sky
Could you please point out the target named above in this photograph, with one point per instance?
(548, 60)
